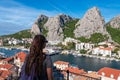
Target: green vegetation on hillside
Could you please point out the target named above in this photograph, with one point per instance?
(83, 39)
(115, 33)
(98, 37)
(45, 31)
(20, 35)
(41, 26)
(95, 38)
(69, 27)
(82, 51)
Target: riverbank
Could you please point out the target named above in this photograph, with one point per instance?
(74, 53)
(98, 57)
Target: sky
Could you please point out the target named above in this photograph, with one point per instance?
(17, 15)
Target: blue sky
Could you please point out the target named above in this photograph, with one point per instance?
(16, 15)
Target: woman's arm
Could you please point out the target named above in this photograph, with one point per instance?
(49, 73)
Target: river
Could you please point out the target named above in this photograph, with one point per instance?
(86, 63)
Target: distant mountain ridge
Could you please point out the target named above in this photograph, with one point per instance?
(58, 27)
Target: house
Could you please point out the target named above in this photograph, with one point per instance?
(27, 40)
(6, 60)
(4, 74)
(53, 42)
(91, 74)
(86, 46)
(61, 65)
(107, 44)
(13, 41)
(109, 74)
(74, 73)
(6, 66)
(68, 39)
(65, 52)
(5, 71)
(103, 51)
(19, 59)
(8, 71)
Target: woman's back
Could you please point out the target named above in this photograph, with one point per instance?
(47, 63)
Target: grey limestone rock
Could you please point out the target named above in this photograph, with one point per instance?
(92, 22)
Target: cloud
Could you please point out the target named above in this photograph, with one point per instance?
(20, 14)
(15, 13)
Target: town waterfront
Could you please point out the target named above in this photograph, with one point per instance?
(86, 63)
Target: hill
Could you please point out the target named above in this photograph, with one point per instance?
(20, 34)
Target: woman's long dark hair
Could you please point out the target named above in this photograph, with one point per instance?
(36, 56)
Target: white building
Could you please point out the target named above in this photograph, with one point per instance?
(13, 41)
(103, 51)
(106, 43)
(53, 42)
(109, 74)
(85, 46)
(65, 52)
(68, 39)
(61, 65)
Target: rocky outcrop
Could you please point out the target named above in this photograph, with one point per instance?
(115, 22)
(92, 22)
(55, 25)
(38, 24)
(35, 29)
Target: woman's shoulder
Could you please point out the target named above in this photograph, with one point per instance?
(47, 56)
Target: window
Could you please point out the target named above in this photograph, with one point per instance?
(103, 74)
(112, 76)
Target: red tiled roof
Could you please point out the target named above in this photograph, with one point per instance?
(21, 55)
(75, 70)
(6, 66)
(61, 62)
(1, 78)
(92, 74)
(8, 59)
(4, 73)
(109, 71)
(108, 48)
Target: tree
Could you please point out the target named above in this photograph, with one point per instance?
(83, 51)
(97, 37)
(114, 33)
(70, 45)
(83, 39)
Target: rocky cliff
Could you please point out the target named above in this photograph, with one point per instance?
(55, 26)
(115, 22)
(38, 24)
(92, 22)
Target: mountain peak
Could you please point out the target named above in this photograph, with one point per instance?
(115, 22)
(94, 8)
(92, 22)
(55, 26)
(36, 28)
(41, 18)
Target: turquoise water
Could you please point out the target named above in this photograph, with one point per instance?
(85, 63)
